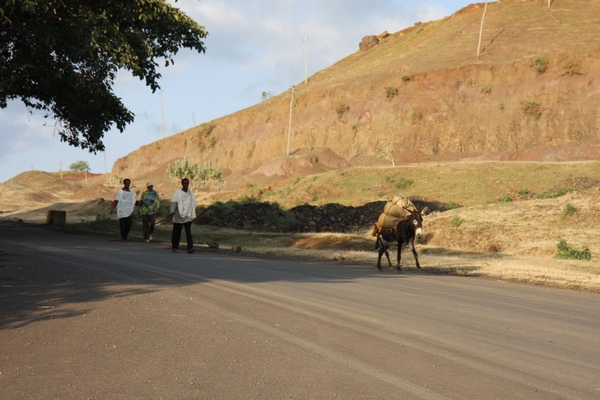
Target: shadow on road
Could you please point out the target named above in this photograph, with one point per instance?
(45, 274)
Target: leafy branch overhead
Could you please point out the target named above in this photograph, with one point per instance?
(62, 57)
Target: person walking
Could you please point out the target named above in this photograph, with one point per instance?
(148, 207)
(124, 202)
(183, 210)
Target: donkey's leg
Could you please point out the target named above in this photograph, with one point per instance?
(399, 257)
(412, 248)
(377, 244)
(381, 251)
(387, 254)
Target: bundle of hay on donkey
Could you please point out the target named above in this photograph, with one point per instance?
(399, 223)
(395, 210)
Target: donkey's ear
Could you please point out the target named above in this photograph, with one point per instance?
(424, 210)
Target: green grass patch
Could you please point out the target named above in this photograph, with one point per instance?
(569, 209)
(403, 184)
(552, 195)
(456, 221)
(564, 250)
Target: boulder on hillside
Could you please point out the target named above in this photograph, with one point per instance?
(368, 42)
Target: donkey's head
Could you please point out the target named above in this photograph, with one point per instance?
(416, 220)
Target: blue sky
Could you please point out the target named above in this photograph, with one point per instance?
(253, 46)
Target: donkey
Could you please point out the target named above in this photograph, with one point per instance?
(403, 235)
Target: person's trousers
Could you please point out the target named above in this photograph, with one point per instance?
(125, 225)
(148, 225)
(176, 237)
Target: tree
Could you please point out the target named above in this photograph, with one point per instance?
(62, 56)
(79, 166)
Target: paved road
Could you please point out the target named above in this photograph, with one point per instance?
(85, 317)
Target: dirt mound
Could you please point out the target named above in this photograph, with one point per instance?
(579, 183)
(94, 192)
(41, 197)
(305, 218)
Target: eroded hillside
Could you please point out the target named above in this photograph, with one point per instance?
(421, 95)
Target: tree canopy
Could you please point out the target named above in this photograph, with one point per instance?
(79, 166)
(62, 56)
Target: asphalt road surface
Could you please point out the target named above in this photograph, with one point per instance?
(91, 317)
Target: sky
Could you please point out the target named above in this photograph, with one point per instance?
(253, 46)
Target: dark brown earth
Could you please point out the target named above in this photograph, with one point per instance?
(306, 218)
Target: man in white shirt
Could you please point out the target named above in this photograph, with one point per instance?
(183, 210)
(124, 202)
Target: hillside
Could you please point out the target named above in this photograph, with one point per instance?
(421, 95)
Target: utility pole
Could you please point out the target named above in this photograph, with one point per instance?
(481, 28)
(105, 170)
(549, 1)
(305, 59)
(60, 168)
(162, 114)
(193, 118)
(290, 125)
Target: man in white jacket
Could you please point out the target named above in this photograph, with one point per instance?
(124, 202)
(183, 210)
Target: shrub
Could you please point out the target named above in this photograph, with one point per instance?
(266, 96)
(552, 195)
(569, 209)
(505, 199)
(406, 78)
(571, 68)
(403, 183)
(416, 116)
(205, 129)
(540, 64)
(531, 108)
(391, 91)
(456, 221)
(195, 173)
(564, 250)
(210, 142)
(523, 192)
(341, 110)
(487, 89)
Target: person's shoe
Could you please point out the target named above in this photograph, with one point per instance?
(147, 240)
(123, 240)
(174, 250)
(150, 238)
(190, 251)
